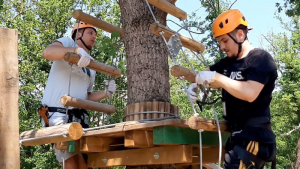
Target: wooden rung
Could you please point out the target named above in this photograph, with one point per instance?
(178, 71)
(156, 28)
(52, 134)
(81, 16)
(98, 144)
(206, 124)
(145, 156)
(169, 8)
(138, 139)
(97, 66)
(86, 104)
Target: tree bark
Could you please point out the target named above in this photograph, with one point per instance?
(9, 92)
(297, 163)
(146, 55)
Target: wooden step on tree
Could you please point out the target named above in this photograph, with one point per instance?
(179, 71)
(81, 16)
(156, 29)
(169, 8)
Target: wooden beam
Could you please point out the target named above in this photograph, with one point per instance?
(145, 156)
(138, 139)
(209, 155)
(81, 16)
(97, 66)
(87, 104)
(171, 135)
(9, 91)
(53, 134)
(206, 124)
(99, 144)
(156, 28)
(169, 8)
(178, 71)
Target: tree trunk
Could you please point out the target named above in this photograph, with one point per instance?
(9, 92)
(146, 55)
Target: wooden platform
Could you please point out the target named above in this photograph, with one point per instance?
(160, 142)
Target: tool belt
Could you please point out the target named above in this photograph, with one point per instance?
(74, 115)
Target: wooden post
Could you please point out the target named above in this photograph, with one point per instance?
(79, 15)
(169, 8)
(97, 66)
(9, 91)
(156, 28)
(53, 134)
(87, 104)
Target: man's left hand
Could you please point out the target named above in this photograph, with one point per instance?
(205, 77)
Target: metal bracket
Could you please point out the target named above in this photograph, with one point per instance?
(174, 45)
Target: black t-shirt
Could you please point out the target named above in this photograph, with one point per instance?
(257, 66)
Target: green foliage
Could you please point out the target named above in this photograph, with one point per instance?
(291, 7)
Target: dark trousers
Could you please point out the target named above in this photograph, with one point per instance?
(263, 151)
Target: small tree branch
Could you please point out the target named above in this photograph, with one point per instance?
(232, 4)
(290, 132)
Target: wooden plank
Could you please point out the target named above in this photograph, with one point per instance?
(170, 135)
(149, 108)
(52, 134)
(161, 108)
(97, 66)
(61, 145)
(81, 16)
(156, 28)
(118, 131)
(155, 108)
(146, 156)
(87, 104)
(167, 109)
(143, 108)
(178, 71)
(169, 8)
(99, 144)
(136, 109)
(206, 124)
(138, 139)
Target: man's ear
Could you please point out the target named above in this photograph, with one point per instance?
(79, 34)
(240, 35)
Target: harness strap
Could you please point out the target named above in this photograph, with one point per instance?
(248, 158)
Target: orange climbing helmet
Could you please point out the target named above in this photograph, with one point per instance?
(227, 22)
(82, 25)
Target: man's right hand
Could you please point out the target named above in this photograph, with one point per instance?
(192, 92)
(85, 58)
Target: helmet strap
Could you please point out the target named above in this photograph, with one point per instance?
(239, 43)
(83, 41)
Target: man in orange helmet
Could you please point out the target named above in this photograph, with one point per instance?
(75, 80)
(247, 76)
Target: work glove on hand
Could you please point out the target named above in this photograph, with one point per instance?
(192, 92)
(110, 87)
(205, 77)
(85, 58)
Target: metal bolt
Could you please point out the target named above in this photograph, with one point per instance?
(104, 160)
(156, 156)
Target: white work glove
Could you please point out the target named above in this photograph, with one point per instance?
(192, 92)
(205, 77)
(85, 58)
(110, 87)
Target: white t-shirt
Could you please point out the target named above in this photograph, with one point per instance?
(58, 81)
